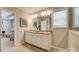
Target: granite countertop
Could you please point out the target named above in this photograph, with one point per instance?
(40, 32)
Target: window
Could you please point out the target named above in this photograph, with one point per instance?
(76, 21)
(60, 19)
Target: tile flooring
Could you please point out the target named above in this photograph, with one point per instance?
(8, 46)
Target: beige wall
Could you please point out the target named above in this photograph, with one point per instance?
(60, 37)
(19, 35)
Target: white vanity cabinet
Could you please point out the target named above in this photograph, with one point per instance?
(42, 40)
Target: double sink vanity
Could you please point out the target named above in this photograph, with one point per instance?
(41, 39)
(40, 34)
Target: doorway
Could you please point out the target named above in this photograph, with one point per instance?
(8, 31)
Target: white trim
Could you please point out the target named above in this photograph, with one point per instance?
(73, 17)
(1, 28)
(74, 25)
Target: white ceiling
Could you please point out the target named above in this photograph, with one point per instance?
(30, 10)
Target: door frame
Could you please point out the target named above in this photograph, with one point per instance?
(0, 29)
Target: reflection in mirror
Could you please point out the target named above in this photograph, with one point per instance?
(45, 24)
(76, 19)
(34, 24)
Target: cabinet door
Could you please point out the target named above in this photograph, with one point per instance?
(28, 37)
(31, 38)
(44, 41)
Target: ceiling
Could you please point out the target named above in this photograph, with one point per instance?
(7, 15)
(30, 10)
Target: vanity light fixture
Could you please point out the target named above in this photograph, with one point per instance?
(46, 13)
(42, 14)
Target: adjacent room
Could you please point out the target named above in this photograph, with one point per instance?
(7, 41)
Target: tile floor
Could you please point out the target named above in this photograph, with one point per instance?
(8, 46)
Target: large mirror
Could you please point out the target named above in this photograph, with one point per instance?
(41, 24)
(76, 19)
(34, 24)
(41, 20)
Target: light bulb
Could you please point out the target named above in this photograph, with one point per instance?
(45, 13)
(42, 14)
(48, 12)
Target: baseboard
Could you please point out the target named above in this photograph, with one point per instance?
(72, 49)
(20, 44)
(37, 46)
(58, 48)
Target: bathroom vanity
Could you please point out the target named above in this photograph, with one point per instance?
(39, 39)
(40, 34)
